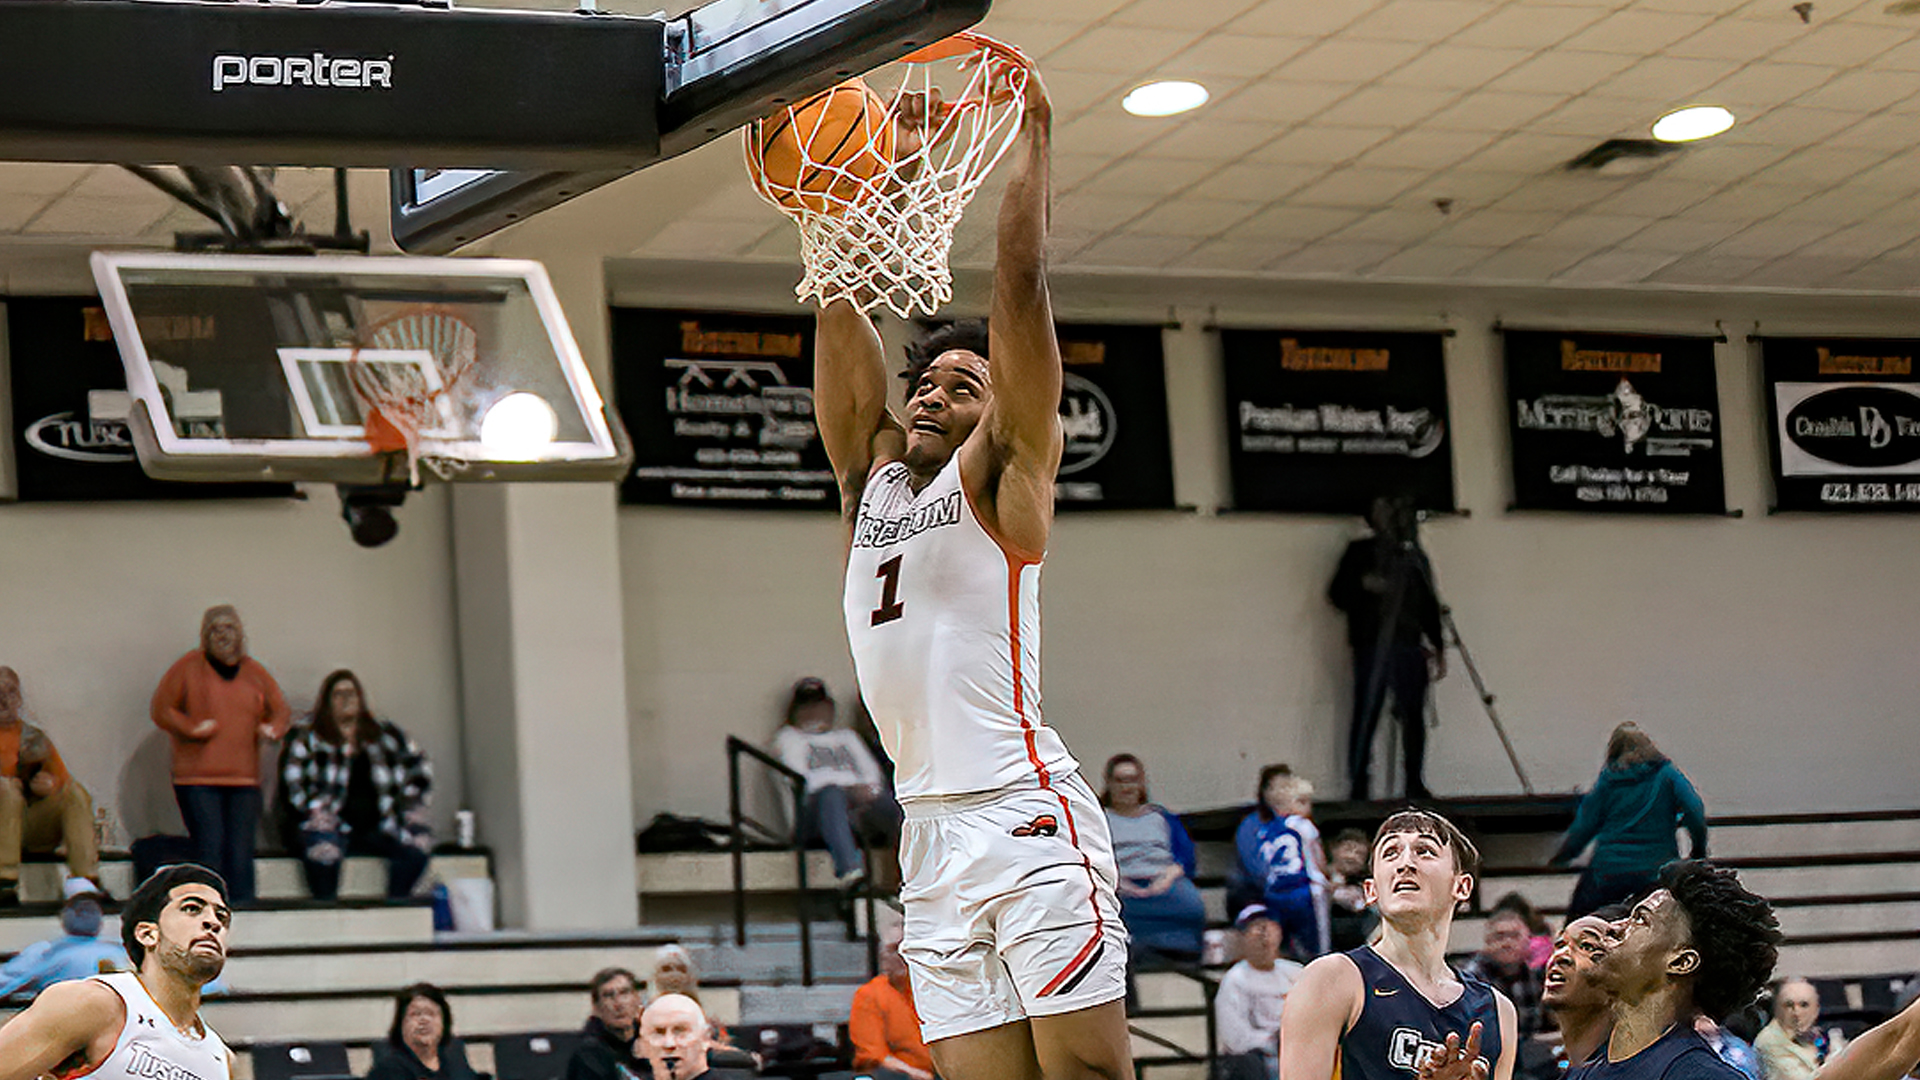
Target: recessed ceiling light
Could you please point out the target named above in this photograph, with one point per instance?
(1164, 98)
(1692, 122)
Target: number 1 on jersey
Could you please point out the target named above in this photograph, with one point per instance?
(890, 606)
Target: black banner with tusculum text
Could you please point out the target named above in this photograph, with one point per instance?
(1614, 422)
(1845, 416)
(720, 409)
(1324, 421)
(71, 442)
(1113, 414)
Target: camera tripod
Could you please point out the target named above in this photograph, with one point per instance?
(1408, 559)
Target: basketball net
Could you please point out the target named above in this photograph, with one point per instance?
(399, 400)
(885, 238)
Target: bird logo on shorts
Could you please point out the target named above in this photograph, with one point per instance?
(1044, 825)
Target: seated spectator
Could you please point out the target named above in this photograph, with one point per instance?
(77, 954)
(612, 1031)
(1792, 1046)
(845, 789)
(1732, 1049)
(1247, 1006)
(1159, 902)
(420, 1044)
(217, 703)
(674, 973)
(1502, 964)
(356, 785)
(883, 1025)
(1539, 937)
(673, 1039)
(1350, 922)
(1281, 857)
(41, 805)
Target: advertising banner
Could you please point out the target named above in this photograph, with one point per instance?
(1324, 421)
(1845, 417)
(1614, 422)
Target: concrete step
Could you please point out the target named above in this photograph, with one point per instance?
(291, 927)
(1166, 990)
(277, 878)
(1795, 921)
(1775, 839)
(366, 1016)
(682, 872)
(823, 1003)
(1550, 891)
(279, 972)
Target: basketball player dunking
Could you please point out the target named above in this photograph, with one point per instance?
(1380, 1011)
(138, 1024)
(1013, 934)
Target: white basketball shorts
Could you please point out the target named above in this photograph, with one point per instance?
(1010, 907)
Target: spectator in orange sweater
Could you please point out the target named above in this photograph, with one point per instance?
(41, 805)
(883, 1026)
(218, 703)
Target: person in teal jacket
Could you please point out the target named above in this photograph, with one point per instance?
(1629, 817)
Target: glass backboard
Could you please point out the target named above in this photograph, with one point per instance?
(260, 367)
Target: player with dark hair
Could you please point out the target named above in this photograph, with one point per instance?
(1699, 943)
(1013, 932)
(1380, 1011)
(146, 1022)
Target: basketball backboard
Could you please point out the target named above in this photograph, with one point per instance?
(245, 367)
(726, 63)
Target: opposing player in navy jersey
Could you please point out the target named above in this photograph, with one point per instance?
(1380, 1011)
(1699, 943)
(1013, 935)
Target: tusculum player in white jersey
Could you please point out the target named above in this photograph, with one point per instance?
(142, 1024)
(1013, 934)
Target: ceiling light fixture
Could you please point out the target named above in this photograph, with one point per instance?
(1691, 123)
(1165, 98)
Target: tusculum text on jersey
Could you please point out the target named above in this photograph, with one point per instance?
(879, 532)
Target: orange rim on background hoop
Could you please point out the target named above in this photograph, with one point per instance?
(876, 180)
(404, 395)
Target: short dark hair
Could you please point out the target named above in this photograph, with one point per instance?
(1348, 836)
(1734, 931)
(1612, 912)
(406, 997)
(606, 975)
(1106, 776)
(1466, 857)
(1267, 773)
(1515, 904)
(807, 691)
(147, 901)
(937, 339)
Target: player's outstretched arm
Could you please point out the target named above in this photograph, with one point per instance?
(1320, 1009)
(1884, 1052)
(66, 1019)
(850, 399)
(1024, 420)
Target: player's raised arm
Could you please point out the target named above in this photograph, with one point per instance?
(1509, 1037)
(66, 1020)
(850, 399)
(1885, 1052)
(1320, 1009)
(1024, 354)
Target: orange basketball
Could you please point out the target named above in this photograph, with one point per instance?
(815, 155)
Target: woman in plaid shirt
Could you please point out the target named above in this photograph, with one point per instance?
(356, 785)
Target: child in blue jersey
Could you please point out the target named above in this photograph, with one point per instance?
(1283, 861)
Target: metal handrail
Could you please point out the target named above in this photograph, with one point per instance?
(737, 844)
(1209, 988)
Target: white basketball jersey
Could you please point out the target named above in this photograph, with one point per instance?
(151, 1048)
(944, 622)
